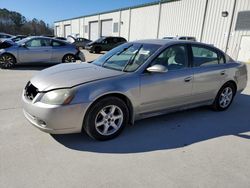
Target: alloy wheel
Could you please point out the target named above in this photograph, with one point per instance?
(109, 120)
(226, 97)
(69, 59)
(7, 61)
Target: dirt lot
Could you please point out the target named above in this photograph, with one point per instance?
(194, 148)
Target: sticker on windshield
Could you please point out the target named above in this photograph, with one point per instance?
(144, 52)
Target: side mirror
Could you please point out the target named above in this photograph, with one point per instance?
(23, 45)
(157, 68)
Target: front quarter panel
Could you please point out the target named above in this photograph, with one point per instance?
(127, 85)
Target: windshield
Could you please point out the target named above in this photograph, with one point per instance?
(99, 40)
(127, 57)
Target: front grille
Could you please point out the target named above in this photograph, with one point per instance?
(30, 91)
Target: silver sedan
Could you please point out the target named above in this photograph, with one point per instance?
(37, 49)
(133, 81)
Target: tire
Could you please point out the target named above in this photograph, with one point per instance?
(224, 97)
(101, 124)
(98, 49)
(7, 61)
(69, 58)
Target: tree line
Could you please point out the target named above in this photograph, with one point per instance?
(16, 24)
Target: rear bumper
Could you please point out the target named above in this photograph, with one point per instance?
(80, 56)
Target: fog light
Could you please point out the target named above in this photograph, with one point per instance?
(41, 123)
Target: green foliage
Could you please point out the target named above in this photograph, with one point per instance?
(14, 23)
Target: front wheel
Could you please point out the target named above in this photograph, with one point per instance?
(224, 97)
(7, 61)
(69, 58)
(106, 119)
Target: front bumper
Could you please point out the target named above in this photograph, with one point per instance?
(54, 119)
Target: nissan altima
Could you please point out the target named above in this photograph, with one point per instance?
(133, 81)
(37, 50)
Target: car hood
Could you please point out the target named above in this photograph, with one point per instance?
(69, 75)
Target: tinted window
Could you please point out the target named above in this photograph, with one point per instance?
(57, 43)
(203, 56)
(174, 57)
(38, 43)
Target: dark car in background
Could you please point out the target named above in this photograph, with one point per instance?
(104, 44)
(80, 43)
(38, 50)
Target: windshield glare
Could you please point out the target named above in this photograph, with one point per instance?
(127, 57)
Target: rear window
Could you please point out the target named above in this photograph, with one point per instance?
(203, 56)
(57, 43)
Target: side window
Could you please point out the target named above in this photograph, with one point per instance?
(182, 38)
(174, 57)
(115, 40)
(203, 56)
(38, 43)
(57, 43)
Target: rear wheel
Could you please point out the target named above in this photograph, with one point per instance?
(7, 61)
(69, 58)
(224, 97)
(106, 119)
(98, 49)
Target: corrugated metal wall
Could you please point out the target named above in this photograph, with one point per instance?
(200, 18)
(124, 25)
(144, 22)
(182, 18)
(235, 36)
(216, 27)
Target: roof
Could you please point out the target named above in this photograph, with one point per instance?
(115, 10)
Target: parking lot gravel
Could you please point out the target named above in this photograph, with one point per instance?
(193, 148)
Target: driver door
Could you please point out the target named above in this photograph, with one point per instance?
(166, 90)
(36, 50)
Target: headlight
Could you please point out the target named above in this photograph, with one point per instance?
(58, 97)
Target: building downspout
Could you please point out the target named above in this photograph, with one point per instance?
(120, 22)
(99, 26)
(231, 25)
(204, 20)
(129, 23)
(159, 19)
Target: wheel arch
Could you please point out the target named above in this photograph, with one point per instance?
(121, 96)
(10, 54)
(231, 82)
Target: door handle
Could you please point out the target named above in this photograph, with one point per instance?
(188, 79)
(222, 73)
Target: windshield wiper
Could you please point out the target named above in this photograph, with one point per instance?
(119, 53)
(131, 60)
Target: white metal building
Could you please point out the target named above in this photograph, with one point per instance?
(223, 23)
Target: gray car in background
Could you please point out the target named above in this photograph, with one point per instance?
(133, 81)
(38, 49)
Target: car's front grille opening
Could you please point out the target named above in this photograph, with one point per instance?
(30, 91)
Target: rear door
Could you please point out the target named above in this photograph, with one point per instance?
(36, 50)
(209, 72)
(59, 49)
